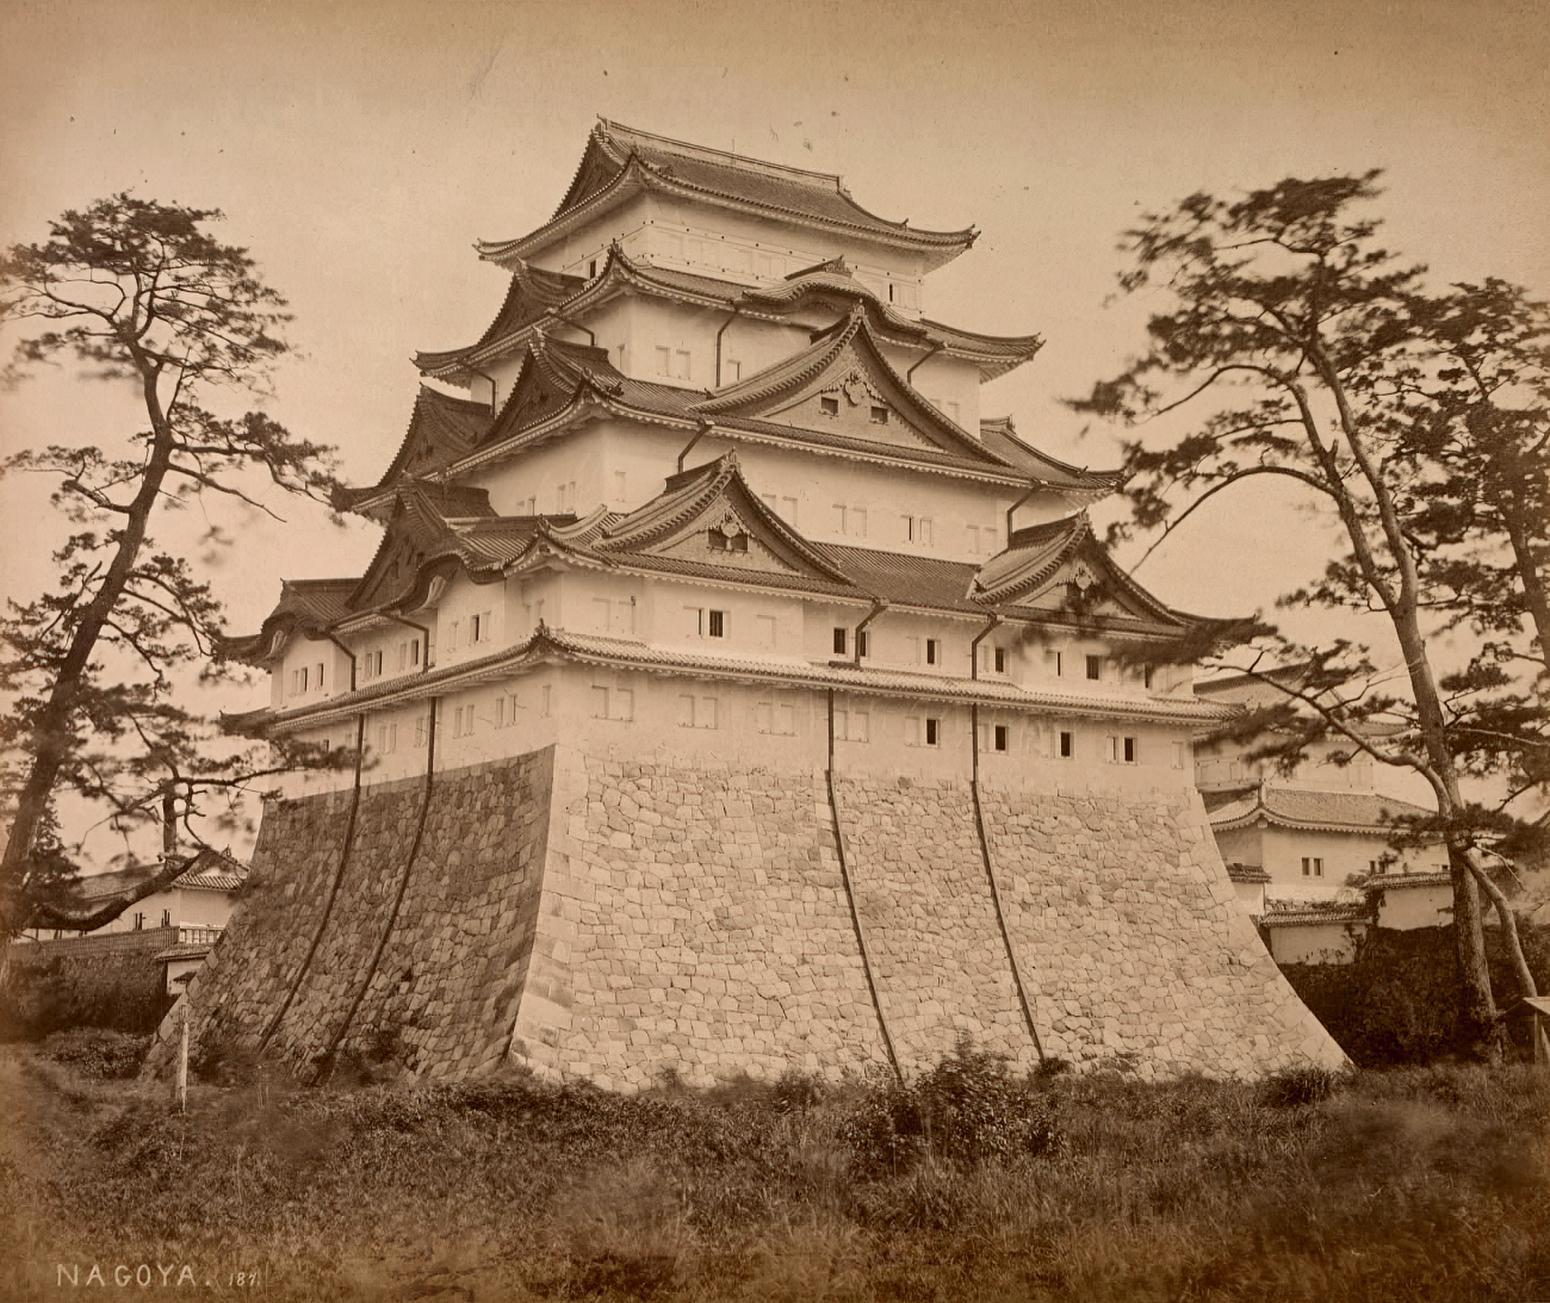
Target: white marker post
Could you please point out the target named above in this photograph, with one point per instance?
(180, 1087)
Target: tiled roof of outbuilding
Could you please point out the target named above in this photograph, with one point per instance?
(1289, 807)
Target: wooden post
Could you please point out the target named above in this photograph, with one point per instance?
(180, 1087)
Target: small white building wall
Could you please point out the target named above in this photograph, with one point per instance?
(174, 907)
(1315, 943)
(1414, 907)
(1344, 855)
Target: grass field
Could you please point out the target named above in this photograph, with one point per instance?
(1416, 1184)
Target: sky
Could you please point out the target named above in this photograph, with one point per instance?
(360, 148)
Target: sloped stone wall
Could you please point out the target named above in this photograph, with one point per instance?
(282, 902)
(702, 927)
(608, 919)
(1132, 941)
(443, 998)
(939, 960)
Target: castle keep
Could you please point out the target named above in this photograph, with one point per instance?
(732, 693)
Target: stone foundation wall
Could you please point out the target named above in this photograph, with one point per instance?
(938, 957)
(607, 918)
(698, 922)
(1132, 941)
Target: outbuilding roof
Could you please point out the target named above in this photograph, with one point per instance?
(1290, 807)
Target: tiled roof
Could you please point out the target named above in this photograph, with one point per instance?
(1289, 807)
(188, 950)
(534, 292)
(441, 428)
(1246, 873)
(209, 870)
(620, 161)
(1000, 436)
(1311, 913)
(1406, 881)
(304, 603)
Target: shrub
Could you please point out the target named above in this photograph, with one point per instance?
(966, 1110)
(97, 1052)
(1295, 1087)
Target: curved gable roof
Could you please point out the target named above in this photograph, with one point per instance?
(620, 161)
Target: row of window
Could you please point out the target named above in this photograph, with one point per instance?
(774, 717)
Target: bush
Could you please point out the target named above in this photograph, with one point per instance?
(97, 1052)
(1295, 1087)
(966, 1110)
(1396, 1003)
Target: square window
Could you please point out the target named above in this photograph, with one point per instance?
(840, 639)
(933, 732)
(1067, 747)
(1001, 737)
(718, 624)
(878, 415)
(829, 406)
(1095, 667)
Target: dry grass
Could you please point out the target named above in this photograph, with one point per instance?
(1418, 1184)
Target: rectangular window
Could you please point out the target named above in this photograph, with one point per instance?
(1129, 751)
(1178, 755)
(852, 725)
(850, 520)
(917, 529)
(731, 371)
(619, 486)
(545, 700)
(419, 731)
(454, 635)
(317, 681)
(613, 703)
(698, 712)
(664, 358)
(877, 415)
(783, 505)
(1312, 866)
(933, 735)
(764, 632)
(1066, 747)
(718, 624)
(1054, 661)
(1001, 737)
(1095, 667)
(1148, 676)
(775, 717)
(933, 650)
(863, 643)
(681, 364)
(829, 406)
(841, 638)
(1000, 659)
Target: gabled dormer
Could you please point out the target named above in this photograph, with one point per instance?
(842, 384)
(709, 517)
(441, 429)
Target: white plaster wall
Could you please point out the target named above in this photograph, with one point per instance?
(1315, 943)
(301, 651)
(1414, 907)
(1344, 855)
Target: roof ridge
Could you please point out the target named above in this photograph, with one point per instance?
(710, 153)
